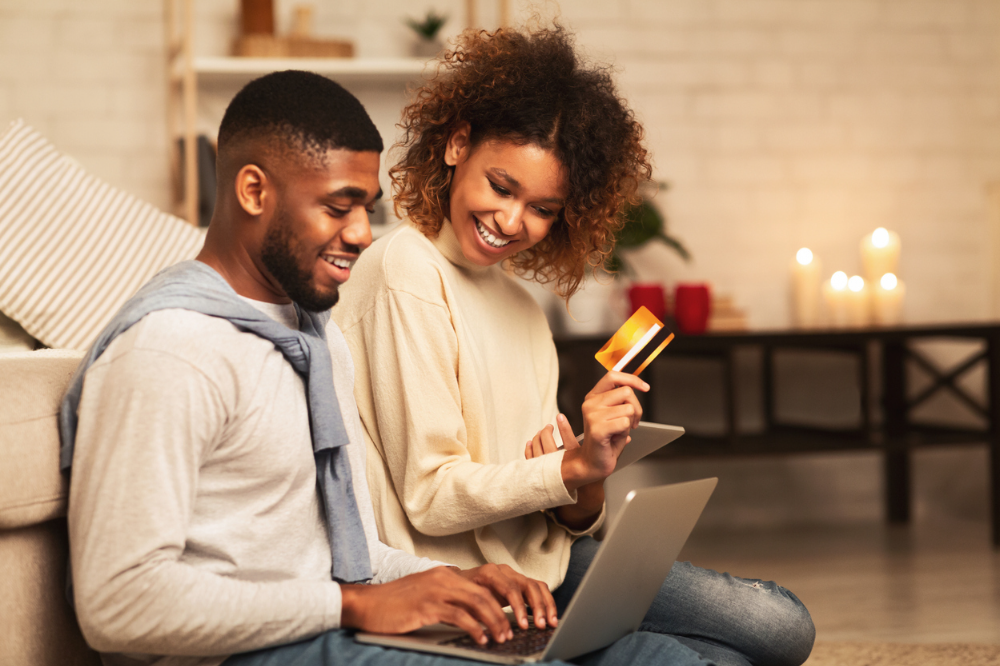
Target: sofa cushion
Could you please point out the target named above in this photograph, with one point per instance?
(73, 248)
(32, 490)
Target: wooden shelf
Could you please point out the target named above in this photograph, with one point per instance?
(385, 70)
(185, 73)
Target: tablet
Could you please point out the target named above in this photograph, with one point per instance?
(648, 437)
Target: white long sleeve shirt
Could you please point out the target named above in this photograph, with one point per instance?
(456, 371)
(196, 527)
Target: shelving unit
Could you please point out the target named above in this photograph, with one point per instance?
(345, 69)
(185, 72)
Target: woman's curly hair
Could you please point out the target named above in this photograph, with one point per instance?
(530, 88)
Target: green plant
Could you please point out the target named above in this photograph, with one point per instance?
(643, 223)
(429, 27)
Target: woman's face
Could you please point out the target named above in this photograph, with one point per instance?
(504, 196)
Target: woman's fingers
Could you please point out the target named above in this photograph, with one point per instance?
(537, 449)
(542, 443)
(566, 432)
(620, 396)
(548, 442)
(613, 380)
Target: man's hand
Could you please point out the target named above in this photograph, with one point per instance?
(513, 589)
(411, 602)
(610, 410)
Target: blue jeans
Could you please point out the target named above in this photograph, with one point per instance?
(732, 621)
(337, 648)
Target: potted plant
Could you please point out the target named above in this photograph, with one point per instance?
(643, 223)
(427, 45)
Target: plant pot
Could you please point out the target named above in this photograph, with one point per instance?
(426, 48)
(592, 310)
(650, 295)
(692, 307)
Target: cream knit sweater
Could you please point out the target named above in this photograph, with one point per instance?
(455, 371)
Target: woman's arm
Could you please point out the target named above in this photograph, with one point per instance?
(406, 354)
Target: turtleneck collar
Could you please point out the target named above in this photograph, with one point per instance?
(448, 245)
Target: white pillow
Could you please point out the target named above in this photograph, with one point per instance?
(73, 248)
(13, 337)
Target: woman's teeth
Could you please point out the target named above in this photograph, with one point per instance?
(339, 262)
(488, 237)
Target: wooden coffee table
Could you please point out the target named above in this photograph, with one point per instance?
(886, 424)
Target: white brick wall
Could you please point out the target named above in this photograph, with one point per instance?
(779, 123)
(788, 122)
(91, 77)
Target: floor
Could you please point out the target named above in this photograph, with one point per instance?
(931, 582)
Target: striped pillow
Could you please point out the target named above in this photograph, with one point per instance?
(73, 248)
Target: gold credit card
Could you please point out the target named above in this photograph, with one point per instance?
(628, 350)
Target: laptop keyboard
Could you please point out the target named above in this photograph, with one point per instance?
(525, 641)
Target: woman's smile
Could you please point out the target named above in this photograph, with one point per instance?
(488, 236)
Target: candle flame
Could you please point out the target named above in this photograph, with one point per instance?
(880, 237)
(839, 280)
(889, 281)
(804, 256)
(856, 283)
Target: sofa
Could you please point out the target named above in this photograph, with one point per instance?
(38, 627)
(72, 250)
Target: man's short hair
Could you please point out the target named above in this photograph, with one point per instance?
(304, 111)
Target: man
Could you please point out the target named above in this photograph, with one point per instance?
(218, 504)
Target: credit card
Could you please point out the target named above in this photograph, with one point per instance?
(636, 344)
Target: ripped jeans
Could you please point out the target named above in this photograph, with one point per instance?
(732, 621)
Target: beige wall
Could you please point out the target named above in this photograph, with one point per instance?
(778, 123)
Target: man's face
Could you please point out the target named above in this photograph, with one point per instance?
(320, 225)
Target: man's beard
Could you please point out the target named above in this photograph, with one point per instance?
(286, 266)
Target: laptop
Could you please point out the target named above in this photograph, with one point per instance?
(630, 566)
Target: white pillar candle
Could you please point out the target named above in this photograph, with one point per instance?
(858, 310)
(880, 254)
(835, 295)
(805, 289)
(888, 300)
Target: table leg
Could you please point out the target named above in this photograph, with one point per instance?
(993, 373)
(864, 389)
(729, 371)
(767, 379)
(897, 457)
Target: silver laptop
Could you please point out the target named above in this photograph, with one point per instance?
(633, 560)
(648, 437)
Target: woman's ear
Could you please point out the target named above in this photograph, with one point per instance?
(251, 189)
(458, 145)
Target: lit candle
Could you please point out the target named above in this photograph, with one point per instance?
(805, 289)
(835, 295)
(888, 300)
(880, 254)
(858, 313)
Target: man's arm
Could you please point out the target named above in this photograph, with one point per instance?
(140, 448)
(147, 419)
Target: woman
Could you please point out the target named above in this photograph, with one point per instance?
(515, 153)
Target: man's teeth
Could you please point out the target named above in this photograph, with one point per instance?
(488, 237)
(339, 262)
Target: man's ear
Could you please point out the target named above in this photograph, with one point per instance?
(459, 144)
(252, 189)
